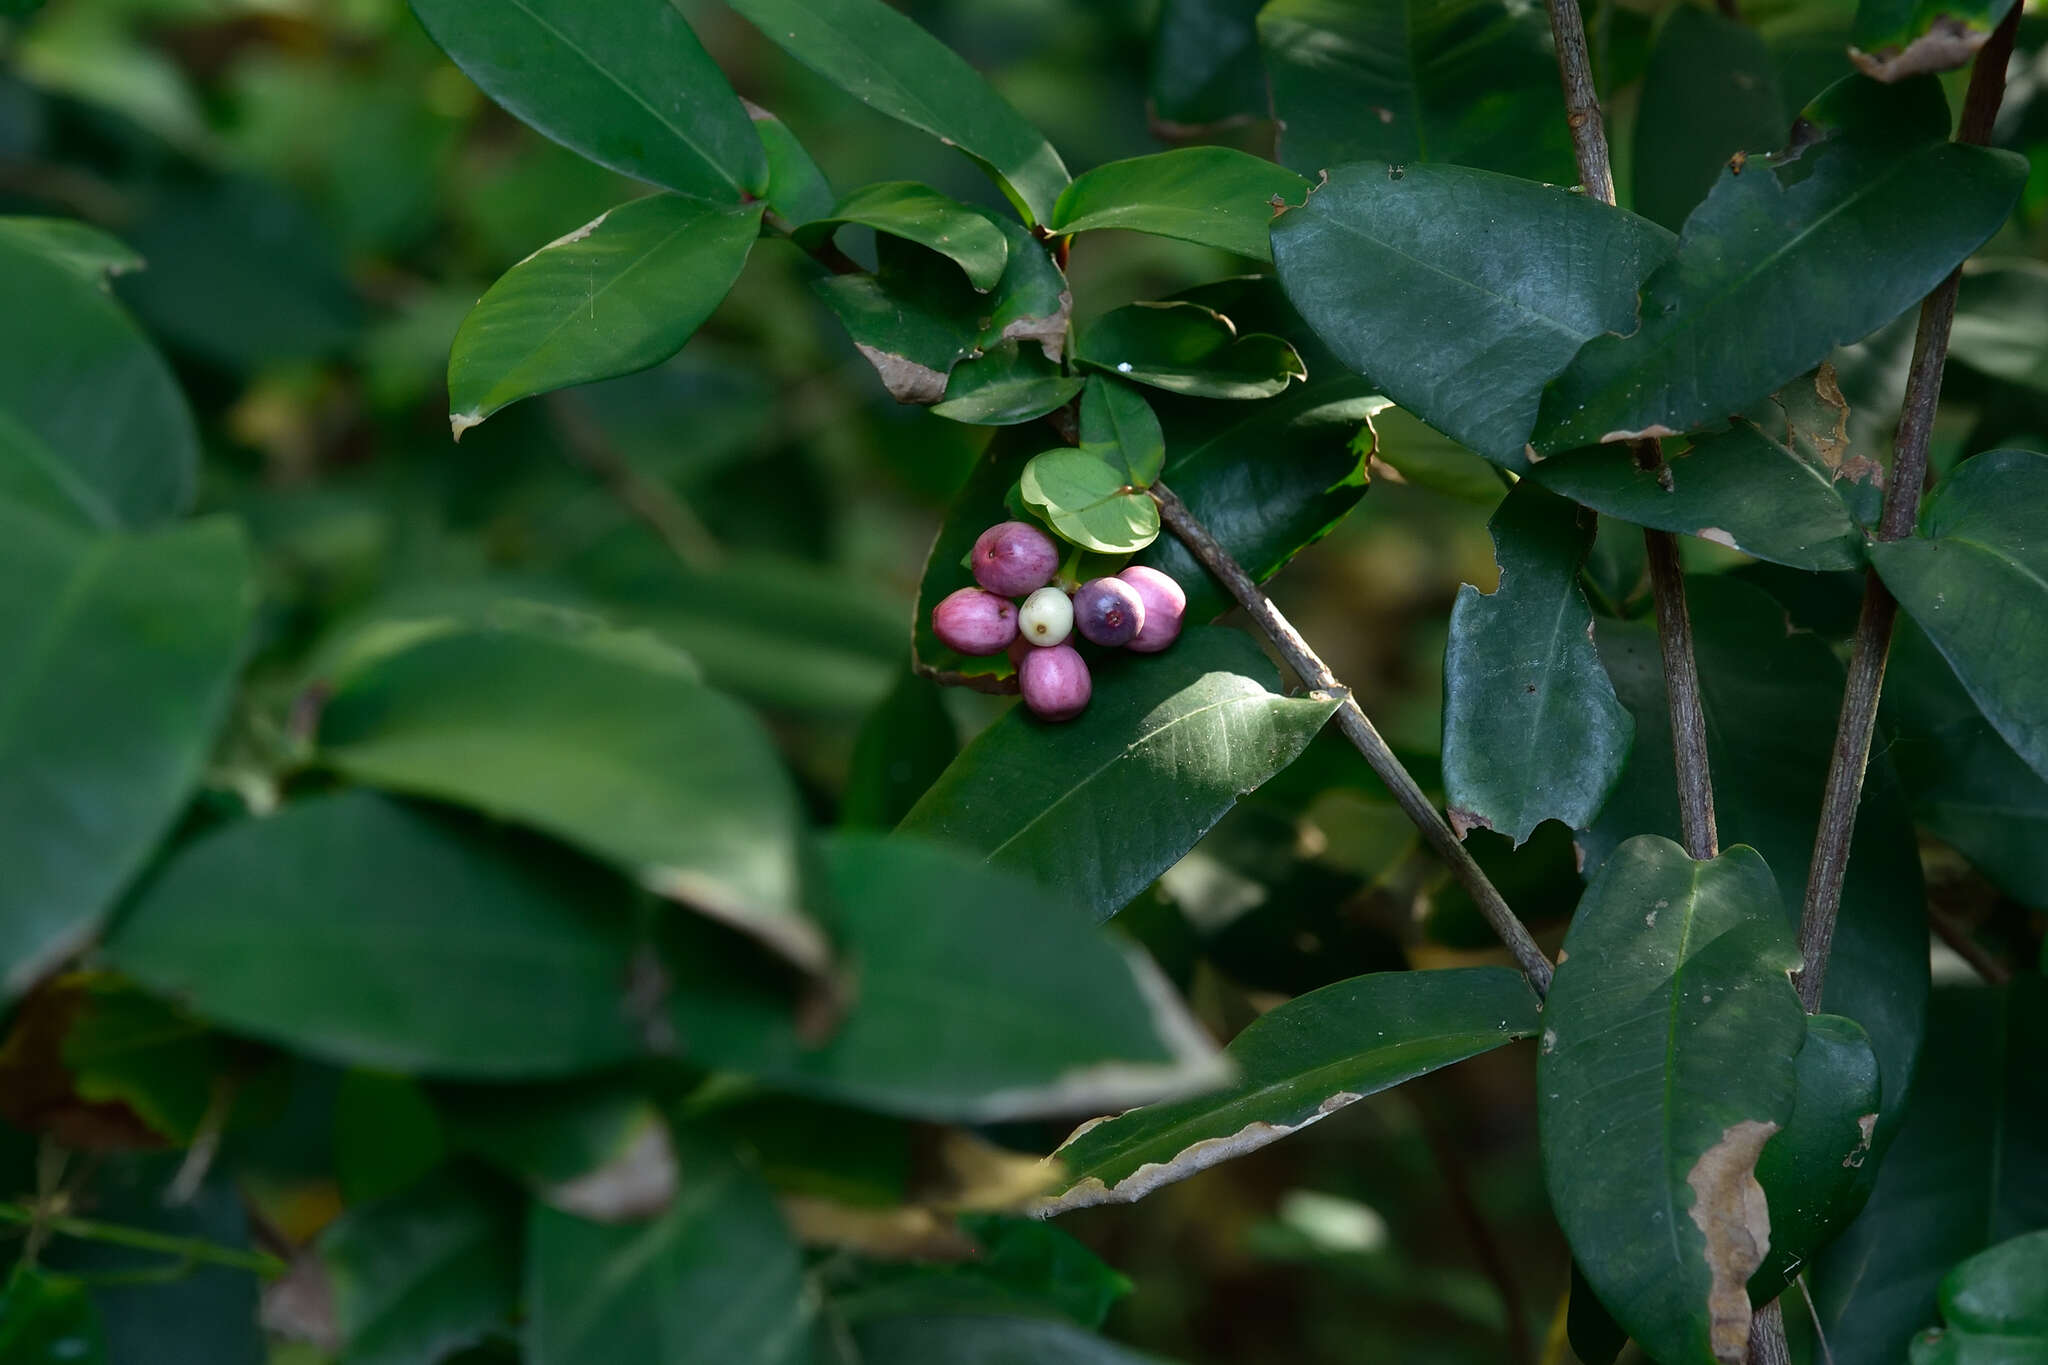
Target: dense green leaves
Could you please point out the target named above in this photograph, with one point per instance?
(1296, 1064)
(122, 653)
(1787, 259)
(620, 293)
(1710, 92)
(919, 213)
(1011, 384)
(1975, 578)
(1188, 349)
(1088, 501)
(1216, 196)
(47, 1319)
(369, 917)
(1995, 1306)
(607, 741)
(1817, 1173)
(1667, 1062)
(1460, 293)
(422, 1274)
(1532, 730)
(1075, 805)
(626, 84)
(886, 61)
(1895, 39)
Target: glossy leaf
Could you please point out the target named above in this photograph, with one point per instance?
(47, 1319)
(1667, 1062)
(80, 378)
(620, 293)
(974, 1339)
(1459, 293)
(1532, 729)
(797, 189)
(122, 654)
(367, 915)
(1975, 578)
(1998, 311)
(1116, 418)
(606, 741)
(981, 996)
(1897, 39)
(626, 84)
(1710, 92)
(1404, 81)
(1213, 196)
(1013, 383)
(886, 61)
(919, 213)
(422, 1274)
(1188, 349)
(1819, 1171)
(1296, 1064)
(1788, 258)
(1087, 501)
(1995, 1307)
(1075, 805)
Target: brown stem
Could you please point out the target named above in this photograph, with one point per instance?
(1358, 728)
(1873, 640)
(1767, 1345)
(1581, 100)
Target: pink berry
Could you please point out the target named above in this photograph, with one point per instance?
(974, 622)
(1108, 611)
(1055, 683)
(1014, 558)
(1165, 604)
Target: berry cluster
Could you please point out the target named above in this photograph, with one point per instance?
(1139, 609)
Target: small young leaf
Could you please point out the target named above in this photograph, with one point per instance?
(1087, 501)
(797, 189)
(1188, 349)
(1214, 196)
(919, 213)
(1116, 417)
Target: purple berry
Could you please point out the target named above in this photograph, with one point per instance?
(1055, 682)
(1165, 604)
(1014, 558)
(1108, 611)
(974, 622)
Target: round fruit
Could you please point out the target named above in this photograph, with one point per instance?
(1047, 617)
(974, 622)
(1055, 683)
(1013, 558)
(1108, 611)
(1165, 604)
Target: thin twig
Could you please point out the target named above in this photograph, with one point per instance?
(1873, 641)
(1352, 720)
(142, 1239)
(1958, 937)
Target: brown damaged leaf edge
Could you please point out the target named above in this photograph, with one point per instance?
(1050, 331)
(1948, 43)
(1730, 1211)
(905, 379)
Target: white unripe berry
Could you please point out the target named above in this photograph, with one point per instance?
(1046, 618)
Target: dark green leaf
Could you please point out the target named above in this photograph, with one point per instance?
(1667, 1063)
(1025, 1267)
(1297, 1063)
(1819, 1171)
(919, 213)
(386, 1134)
(1895, 39)
(625, 83)
(797, 189)
(963, 1339)
(121, 664)
(886, 61)
(368, 917)
(1076, 805)
(126, 1047)
(595, 1148)
(95, 255)
(1205, 62)
(1998, 321)
(1710, 93)
(1116, 417)
(1214, 196)
(903, 746)
(1996, 1308)
(1785, 260)
(620, 293)
(1460, 293)
(1011, 384)
(1085, 499)
(1975, 578)
(47, 1319)
(1188, 349)
(422, 1274)
(1402, 81)
(1532, 730)
(606, 741)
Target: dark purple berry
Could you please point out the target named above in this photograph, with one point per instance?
(1165, 604)
(1014, 558)
(1055, 683)
(1108, 611)
(974, 622)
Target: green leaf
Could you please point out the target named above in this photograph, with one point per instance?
(420, 1275)
(95, 255)
(886, 61)
(386, 1134)
(903, 746)
(595, 1148)
(1771, 700)
(1213, 196)
(1895, 39)
(369, 917)
(1511, 277)
(1817, 1174)
(626, 84)
(606, 741)
(968, 1339)
(919, 213)
(47, 1319)
(1405, 81)
(1086, 500)
(981, 996)
(620, 293)
(1969, 1169)
(1787, 259)
(1076, 805)
(1205, 65)
(1667, 1062)
(121, 663)
(1998, 321)
(1710, 92)
(1296, 1064)
(1116, 417)
(1532, 729)
(714, 1281)
(1006, 386)
(1975, 578)
(80, 377)
(1188, 349)
(1024, 1266)
(797, 189)
(126, 1047)
(1996, 1307)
